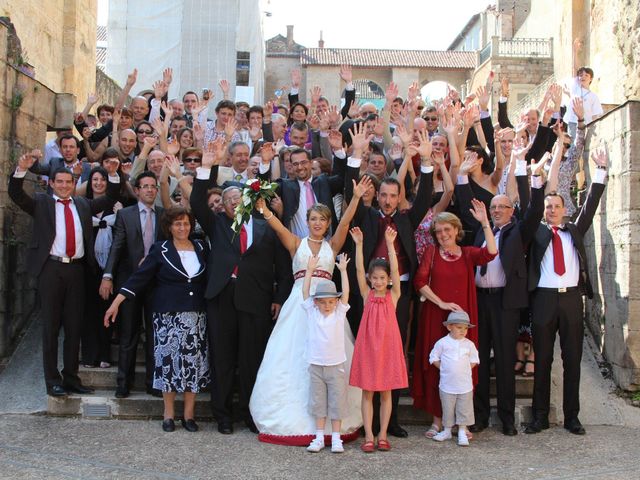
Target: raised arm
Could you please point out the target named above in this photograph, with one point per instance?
(389, 236)
(131, 80)
(340, 235)
(479, 212)
(356, 235)
(342, 262)
(290, 241)
(308, 275)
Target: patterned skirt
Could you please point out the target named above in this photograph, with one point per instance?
(180, 351)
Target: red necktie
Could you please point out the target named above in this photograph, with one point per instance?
(558, 254)
(243, 245)
(69, 227)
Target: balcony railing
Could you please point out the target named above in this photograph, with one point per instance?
(516, 48)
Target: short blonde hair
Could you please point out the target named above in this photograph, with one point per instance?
(451, 219)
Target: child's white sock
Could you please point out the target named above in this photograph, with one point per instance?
(320, 435)
(335, 436)
(336, 443)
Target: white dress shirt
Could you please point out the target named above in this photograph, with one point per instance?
(548, 277)
(325, 344)
(494, 277)
(59, 247)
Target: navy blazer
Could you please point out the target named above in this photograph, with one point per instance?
(175, 290)
(55, 164)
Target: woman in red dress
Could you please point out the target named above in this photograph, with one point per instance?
(445, 279)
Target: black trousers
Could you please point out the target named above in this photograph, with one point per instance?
(96, 338)
(497, 330)
(237, 339)
(132, 314)
(61, 289)
(553, 312)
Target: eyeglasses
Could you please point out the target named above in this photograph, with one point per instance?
(148, 187)
(499, 207)
(232, 200)
(146, 132)
(431, 119)
(299, 164)
(193, 160)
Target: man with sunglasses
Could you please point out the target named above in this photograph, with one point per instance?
(430, 115)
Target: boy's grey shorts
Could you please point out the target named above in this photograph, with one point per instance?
(328, 391)
(457, 409)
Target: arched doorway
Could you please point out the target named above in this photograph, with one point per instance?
(434, 90)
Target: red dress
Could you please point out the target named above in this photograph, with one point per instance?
(451, 282)
(378, 357)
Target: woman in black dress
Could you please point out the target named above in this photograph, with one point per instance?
(176, 268)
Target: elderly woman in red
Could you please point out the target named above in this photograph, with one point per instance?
(445, 279)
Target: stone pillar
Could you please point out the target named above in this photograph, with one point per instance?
(613, 246)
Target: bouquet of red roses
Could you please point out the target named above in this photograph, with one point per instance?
(252, 190)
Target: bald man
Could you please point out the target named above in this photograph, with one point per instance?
(502, 293)
(127, 142)
(140, 108)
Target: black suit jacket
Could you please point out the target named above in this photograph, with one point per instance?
(42, 208)
(127, 247)
(175, 290)
(513, 242)
(577, 230)
(540, 143)
(264, 263)
(368, 219)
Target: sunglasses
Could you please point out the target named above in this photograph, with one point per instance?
(193, 160)
(431, 119)
(146, 132)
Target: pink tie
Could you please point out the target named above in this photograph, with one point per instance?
(309, 194)
(147, 233)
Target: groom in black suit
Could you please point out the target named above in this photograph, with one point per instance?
(241, 300)
(61, 249)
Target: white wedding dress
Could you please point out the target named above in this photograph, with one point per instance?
(279, 402)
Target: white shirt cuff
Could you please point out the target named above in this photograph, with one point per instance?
(462, 179)
(426, 169)
(354, 162)
(536, 181)
(521, 168)
(378, 139)
(203, 173)
(294, 91)
(155, 103)
(484, 114)
(264, 168)
(114, 178)
(341, 154)
(503, 100)
(324, 134)
(600, 175)
(18, 174)
(349, 86)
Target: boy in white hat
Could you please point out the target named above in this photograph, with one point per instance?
(455, 356)
(326, 315)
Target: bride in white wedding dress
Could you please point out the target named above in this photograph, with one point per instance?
(279, 402)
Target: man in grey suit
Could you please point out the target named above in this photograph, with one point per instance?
(69, 148)
(137, 227)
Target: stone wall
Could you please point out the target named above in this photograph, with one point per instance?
(59, 40)
(613, 246)
(106, 88)
(27, 109)
(277, 74)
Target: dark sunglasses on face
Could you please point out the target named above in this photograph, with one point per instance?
(431, 119)
(146, 132)
(193, 160)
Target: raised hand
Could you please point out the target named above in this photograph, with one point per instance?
(77, 168)
(167, 109)
(126, 169)
(345, 73)
(314, 122)
(536, 168)
(230, 128)
(479, 211)
(214, 153)
(403, 134)
(343, 261)
(438, 159)
(483, 98)
(378, 128)
(391, 93)
(312, 263)
(359, 138)
(356, 235)
(198, 132)
(92, 99)
(173, 147)
(160, 88)
(25, 162)
(267, 111)
(335, 140)
(600, 158)
(224, 86)
(556, 96)
(424, 149)
(295, 78)
(111, 166)
(361, 187)
(255, 133)
(395, 152)
(414, 91)
(172, 164)
(132, 78)
(354, 109)
(333, 114)
(315, 93)
(267, 153)
(504, 86)
(578, 107)
(158, 126)
(520, 148)
(390, 235)
(167, 76)
(450, 126)
(470, 161)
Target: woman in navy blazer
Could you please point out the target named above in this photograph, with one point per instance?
(176, 269)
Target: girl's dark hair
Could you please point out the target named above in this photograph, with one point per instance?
(93, 171)
(487, 165)
(379, 263)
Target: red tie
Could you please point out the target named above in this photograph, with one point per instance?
(69, 227)
(243, 245)
(558, 254)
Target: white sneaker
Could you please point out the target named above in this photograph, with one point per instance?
(463, 441)
(442, 436)
(336, 446)
(316, 445)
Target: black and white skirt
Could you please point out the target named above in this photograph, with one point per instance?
(180, 351)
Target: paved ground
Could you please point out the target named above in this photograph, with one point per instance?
(40, 447)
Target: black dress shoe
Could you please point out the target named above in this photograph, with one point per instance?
(536, 426)
(509, 430)
(154, 392)
(56, 391)
(251, 426)
(226, 428)
(574, 426)
(189, 425)
(79, 388)
(397, 431)
(169, 425)
(478, 427)
(122, 392)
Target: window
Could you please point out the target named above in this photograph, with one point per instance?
(243, 66)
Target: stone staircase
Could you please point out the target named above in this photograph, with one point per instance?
(140, 405)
